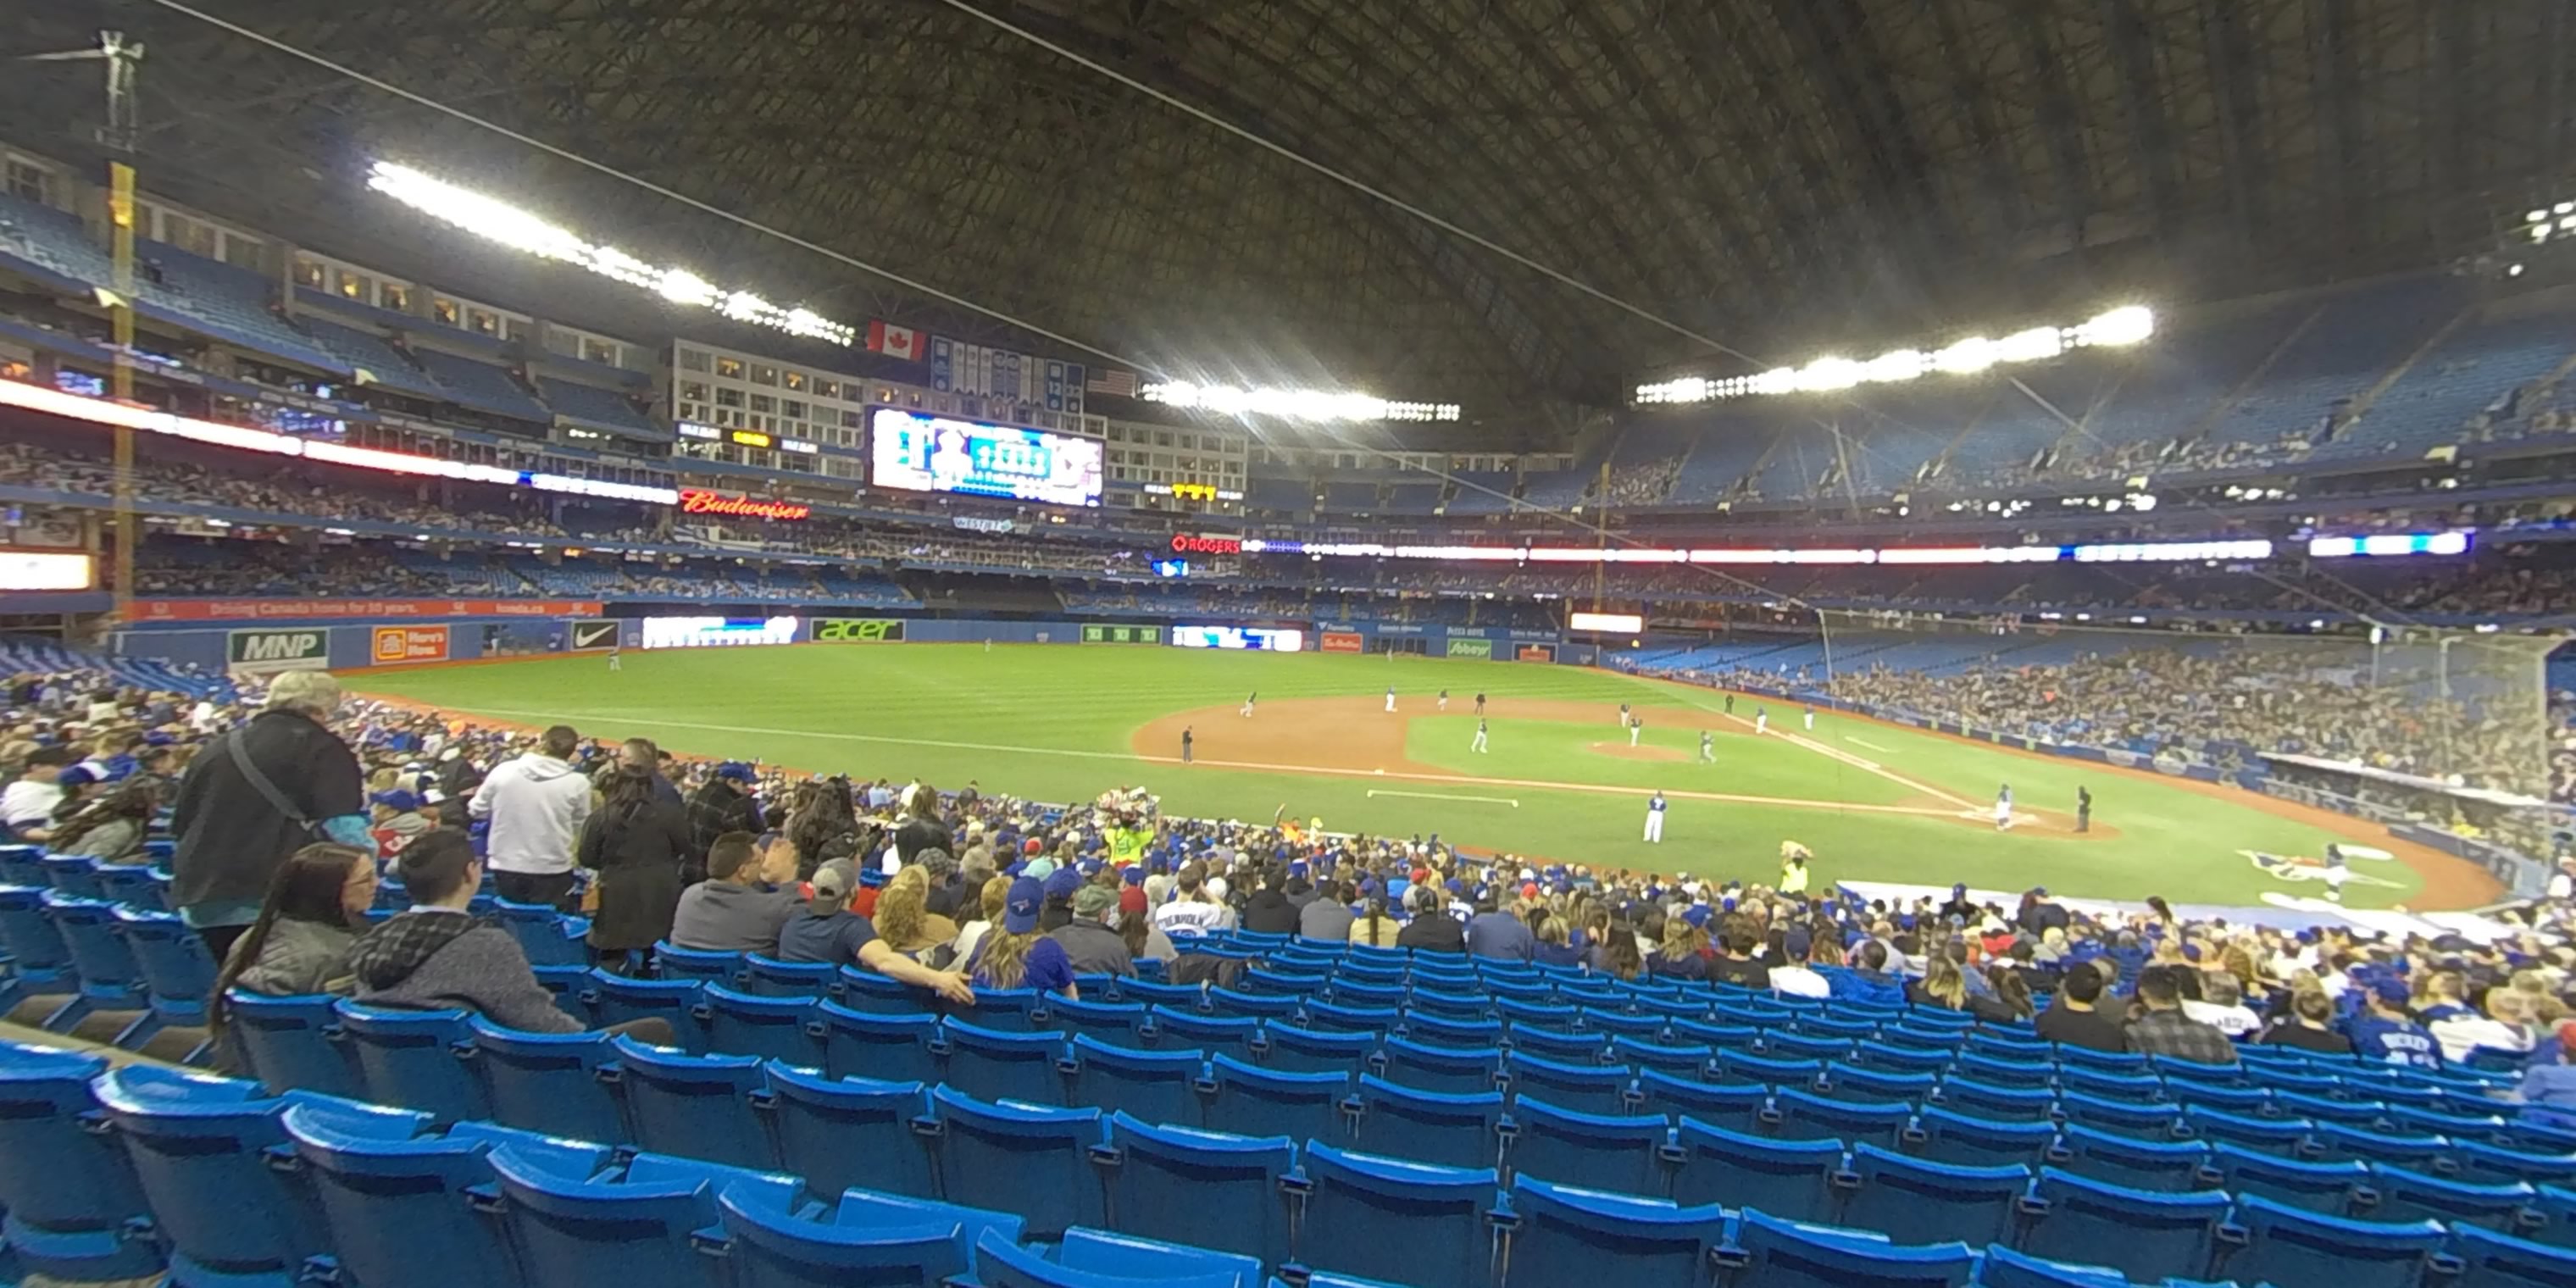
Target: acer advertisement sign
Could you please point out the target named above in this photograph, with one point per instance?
(698, 500)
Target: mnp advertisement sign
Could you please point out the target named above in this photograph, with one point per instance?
(395, 645)
(858, 630)
(1477, 647)
(269, 652)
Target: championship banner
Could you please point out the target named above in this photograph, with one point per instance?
(221, 610)
(1476, 647)
(1342, 642)
(394, 645)
(1536, 653)
(269, 652)
(593, 637)
(858, 630)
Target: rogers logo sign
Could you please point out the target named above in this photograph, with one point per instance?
(1185, 544)
(698, 500)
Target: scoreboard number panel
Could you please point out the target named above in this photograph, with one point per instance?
(1099, 633)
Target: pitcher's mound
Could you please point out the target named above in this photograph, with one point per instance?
(1647, 751)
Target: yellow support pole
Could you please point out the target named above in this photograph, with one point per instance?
(120, 218)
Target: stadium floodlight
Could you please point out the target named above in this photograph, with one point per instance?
(1291, 404)
(520, 230)
(2127, 325)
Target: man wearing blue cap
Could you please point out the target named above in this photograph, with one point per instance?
(2385, 1033)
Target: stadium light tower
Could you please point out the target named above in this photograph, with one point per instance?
(119, 135)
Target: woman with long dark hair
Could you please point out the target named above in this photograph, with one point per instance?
(317, 903)
(636, 841)
(824, 826)
(111, 828)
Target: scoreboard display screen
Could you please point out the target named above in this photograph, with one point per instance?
(922, 453)
(1103, 633)
(1242, 637)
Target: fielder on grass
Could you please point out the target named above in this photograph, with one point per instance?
(1480, 735)
(1655, 818)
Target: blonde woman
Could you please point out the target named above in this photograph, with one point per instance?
(1014, 955)
(904, 919)
(988, 910)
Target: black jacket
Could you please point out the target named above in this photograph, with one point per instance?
(1268, 912)
(717, 807)
(638, 853)
(918, 834)
(230, 839)
(1433, 932)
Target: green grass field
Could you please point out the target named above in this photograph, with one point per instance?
(1059, 723)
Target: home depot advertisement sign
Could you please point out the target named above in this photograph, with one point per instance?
(395, 645)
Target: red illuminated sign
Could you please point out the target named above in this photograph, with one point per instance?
(698, 500)
(1185, 544)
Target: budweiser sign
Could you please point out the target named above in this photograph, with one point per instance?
(1185, 544)
(698, 500)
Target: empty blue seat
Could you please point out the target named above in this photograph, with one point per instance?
(764, 976)
(862, 989)
(40, 961)
(2119, 1088)
(550, 1083)
(695, 1106)
(2349, 1113)
(1946, 1137)
(1793, 1178)
(289, 1043)
(2294, 1249)
(769, 1247)
(1235, 1035)
(615, 999)
(1734, 1106)
(868, 1207)
(1898, 1057)
(1021, 1158)
(1558, 1044)
(201, 1153)
(1260, 1006)
(837, 1132)
(2501, 1261)
(398, 1210)
(995, 1065)
(1992, 1071)
(2491, 1163)
(773, 1028)
(2001, 1267)
(24, 865)
(1439, 1069)
(1913, 1200)
(2406, 1195)
(1733, 1037)
(1292, 1049)
(1780, 1045)
(1253, 1101)
(1001, 1264)
(2007, 1103)
(1781, 1254)
(2144, 1234)
(2208, 1095)
(882, 1045)
(1152, 992)
(178, 973)
(1430, 1029)
(1862, 1085)
(2166, 1167)
(1618, 1153)
(1348, 991)
(1585, 1088)
(2143, 1119)
(1003, 1010)
(2408, 1149)
(1398, 1221)
(73, 1209)
(73, 876)
(1205, 1188)
(1555, 1235)
(1736, 1066)
(635, 1229)
(410, 1058)
(1116, 1023)
(109, 979)
(1450, 1130)
(2281, 1136)
(1804, 1115)
(1159, 1087)
(2122, 1062)
(1682, 1060)
(2315, 1187)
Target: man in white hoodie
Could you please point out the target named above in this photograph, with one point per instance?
(536, 804)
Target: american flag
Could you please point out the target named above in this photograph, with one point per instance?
(1111, 380)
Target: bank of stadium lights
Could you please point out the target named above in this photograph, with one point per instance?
(507, 224)
(1291, 404)
(2128, 325)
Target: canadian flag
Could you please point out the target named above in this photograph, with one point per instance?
(894, 341)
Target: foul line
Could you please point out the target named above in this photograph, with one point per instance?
(1322, 771)
(1444, 796)
(1856, 762)
(1864, 742)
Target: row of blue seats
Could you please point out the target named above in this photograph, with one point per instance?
(247, 1191)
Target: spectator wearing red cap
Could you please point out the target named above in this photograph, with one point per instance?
(1135, 924)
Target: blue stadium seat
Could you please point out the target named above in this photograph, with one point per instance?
(1558, 1044)
(291, 1043)
(2327, 1188)
(2348, 1113)
(1803, 1115)
(1681, 1060)
(1584, 1088)
(773, 1028)
(1860, 1085)
(396, 1210)
(1154, 992)
(549, 1083)
(73, 876)
(2166, 1167)
(1032, 1161)
(24, 865)
(2144, 1120)
(2001, 1267)
(1736, 1107)
(1736, 1066)
(2407, 1149)
(1645, 1028)
(867, 1207)
(1000, 1264)
(2495, 1260)
(73, 1208)
(39, 962)
(1439, 1069)
(1292, 1049)
(108, 978)
(862, 989)
(1260, 1006)
(1556, 1235)
(1253, 1101)
(1158, 1087)
(1349, 991)
(989, 1064)
(1450, 1130)
(1116, 1023)
(1782, 1045)
(2121, 1062)
(201, 1153)
(2493, 1163)
(2405, 1195)
(1204, 1188)
(2145, 1235)
(178, 972)
(1783, 1254)
(2193, 1092)
(2294, 1249)
(1792, 1178)
(999, 1010)
(1898, 1057)
(770, 977)
(2005, 1103)
(767, 1246)
(1616, 1153)
(882, 1045)
(1393, 1220)
(2118, 1088)
(615, 999)
(635, 1229)
(1733, 1037)
(1965, 1141)
(1428, 1029)
(410, 1058)
(1232, 1035)
(837, 1132)
(696, 1106)
(1913, 1200)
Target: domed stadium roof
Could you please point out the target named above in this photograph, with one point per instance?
(1771, 173)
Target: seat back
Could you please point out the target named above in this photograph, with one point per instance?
(291, 1043)
(2144, 1234)
(615, 999)
(1584, 1088)
(1966, 1141)
(1397, 1221)
(1158, 1087)
(1735, 1107)
(990, 1064)
(396, 1210)
(108, 976)
(2505, 1262)
(1203, 1188)
(763, 976)
(770, 1248)
(886, 1046)
(35, 948)
(1117, 1023)
(2166, 1167)
(68, 1191)
(1914, 1200)
(1806, 1116)
(1175, 1027)
(1451, 1070)
(549, 1083)
(2406, 1195)
(695, 1106)
(74, 876)
(1559, 1235)
(2326, 1188)
(1792, 1178)
(1783, 1254)
(410, 1058)
(773, 1028)
(178, 972)
(1618, 1153)
(838, 1132)
(1020, 1158)
(1253, 1101)
(2285, 1245)
(1429, 1127)
(632, 1230)
(1294, 1049)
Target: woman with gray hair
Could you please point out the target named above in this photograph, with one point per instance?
(258, 794)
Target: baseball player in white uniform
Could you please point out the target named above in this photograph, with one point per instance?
(1480, 735)
(1811, 719)
(1655, 818)
(1761, 720)
(1390, 697)
(1636, 725)
(2003, 808)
